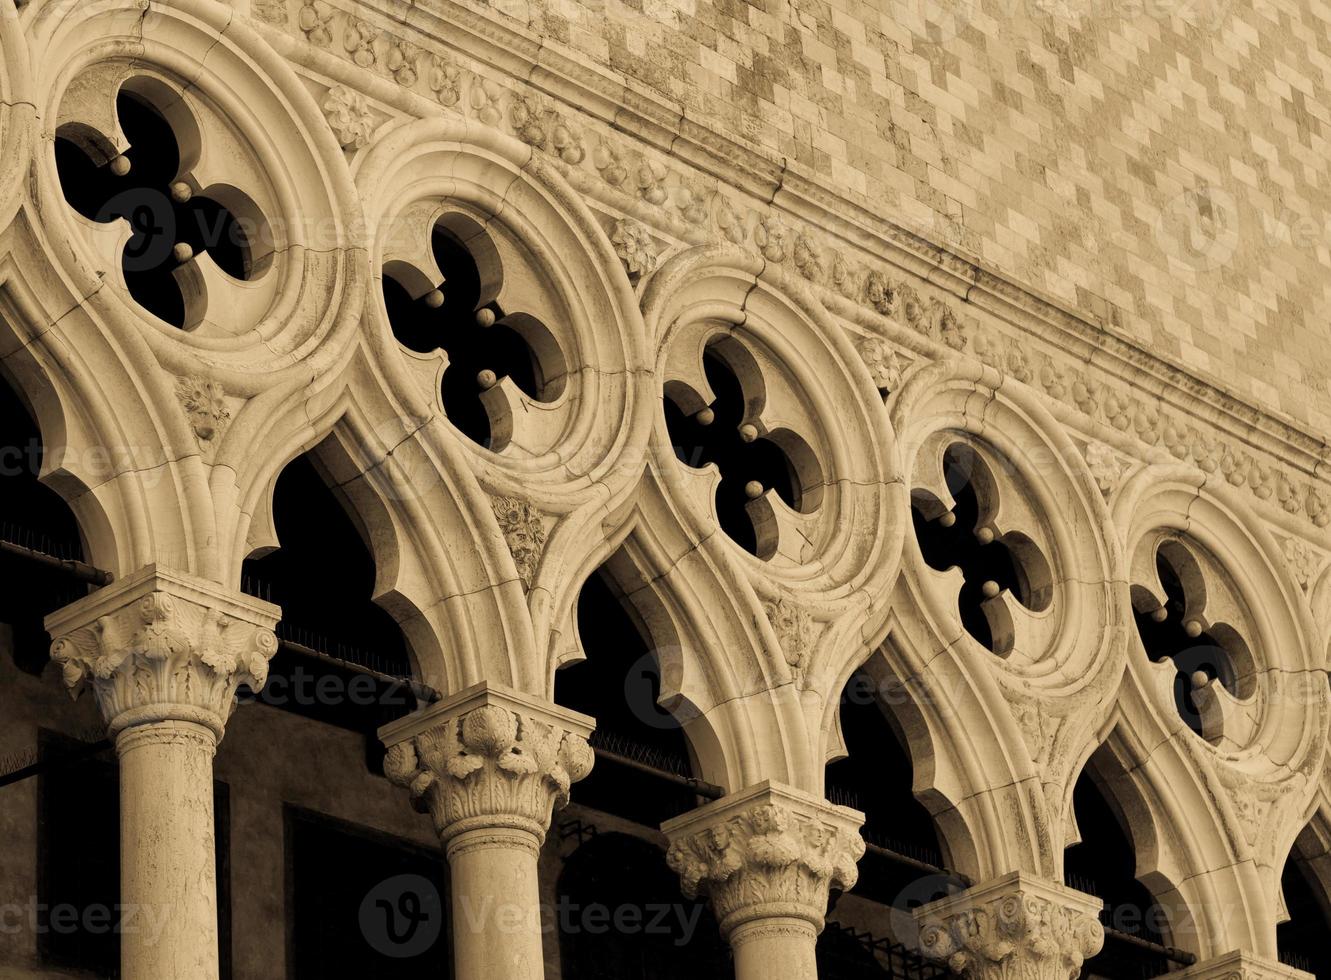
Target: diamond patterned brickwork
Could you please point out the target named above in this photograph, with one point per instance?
(1080, 148)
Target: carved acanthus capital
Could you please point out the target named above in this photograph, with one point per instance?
(767, 852)
(489, 759)
(1012, 926)
(1238, 965)
(161, 645)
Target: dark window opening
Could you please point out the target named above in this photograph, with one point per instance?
(1170, 631)
(1104, 864)
(724, 433)
(322, 576)
(876, 777)
(618, 685)
(169, 223)
(484, 345)
(992, 562)
(31, 516)
(362, 904)
(1302, 940)
(848, 954)
(658, 935)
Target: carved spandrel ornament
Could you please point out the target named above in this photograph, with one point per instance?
(161, 645)
(766, 852)
(524, 532)
(488, 759)
(1013, 926)
(795, 631)
(204, 403)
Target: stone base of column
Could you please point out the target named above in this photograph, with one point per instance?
(1013, 925)
(1238, 965)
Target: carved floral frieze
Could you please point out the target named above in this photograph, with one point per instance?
(623, 167)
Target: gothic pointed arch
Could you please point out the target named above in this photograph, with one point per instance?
(772, 494)
(1305, 895)
(503, 317)
(249, 233)
(1233, 703)
(1007, 608)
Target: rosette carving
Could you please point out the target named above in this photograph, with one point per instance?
(488, 759)
(1011, 927)
(159, 645)
(766, 852)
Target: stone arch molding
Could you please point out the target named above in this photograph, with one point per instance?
(546, 501)
(1262, 750)
(162, 457)
(1007, 727)
(755, 642)
(18, 113)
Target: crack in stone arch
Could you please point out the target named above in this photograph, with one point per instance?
(729, 433)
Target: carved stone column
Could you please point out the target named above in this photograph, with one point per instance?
(164, 653)
(1012, 926)
(767, 858)
(490, 765)
(1238, 965)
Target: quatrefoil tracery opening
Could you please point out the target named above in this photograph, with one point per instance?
(755, 462)
(174, 222)
(1178, 630)
(993, 562)
(462, 317)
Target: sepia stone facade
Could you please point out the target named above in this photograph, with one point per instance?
(1047, 281)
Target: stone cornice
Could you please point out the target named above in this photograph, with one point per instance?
(766, 852)
(161, 645)
(489, 759)
(605, 132)
(1012, 926)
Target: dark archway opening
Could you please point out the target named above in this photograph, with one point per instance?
(903, 865)
(1104, 864)
(38, 533)
(1302, 939)
(618, 685)
(621, 916)
(877, 776)
(342, 659)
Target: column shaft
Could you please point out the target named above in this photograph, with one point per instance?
(496, 905)
(164, 652)
(168, 865)
(775, 949)
(490, 764)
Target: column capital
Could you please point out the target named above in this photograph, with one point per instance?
(1013, 925)
(1238, 965)
(768, 852)
(491, 760)
(162, 645)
